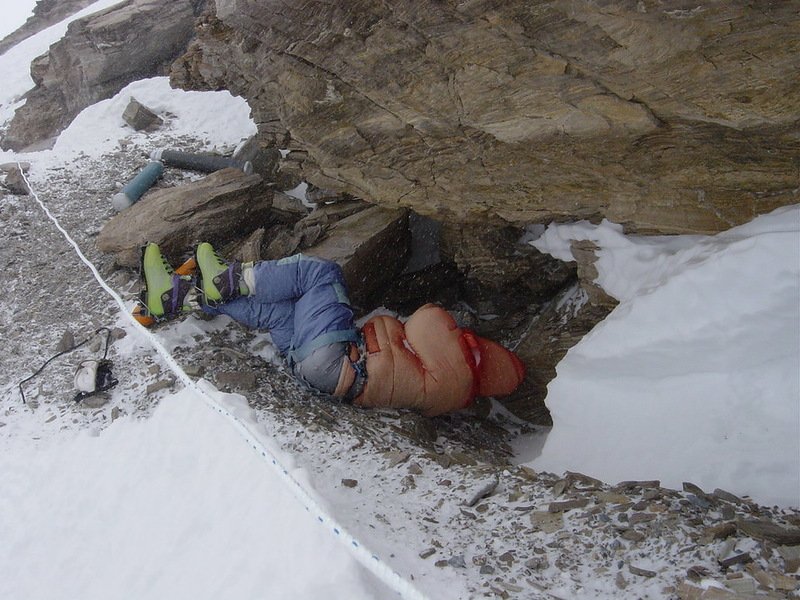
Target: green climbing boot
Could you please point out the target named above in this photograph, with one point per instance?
(166, 294)
(220, 280)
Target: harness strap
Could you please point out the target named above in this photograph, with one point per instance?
(360, 367)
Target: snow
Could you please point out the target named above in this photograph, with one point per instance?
(218, 117)
(174, 506)
(694, 376)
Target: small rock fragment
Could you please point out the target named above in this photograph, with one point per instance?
(626, 485)
(140, 117)
(741, 586)
(547, 521)
(697, 572)
(67, 342)
(736, 559)
(620, 581)
(727, 496)
(566, 505)
(791, 558)
(484, 489)
(767, 530)
(632, 535)
(194, 370)
(457, 562)
(641, 572)
(349, 483)
(415, 469)
(641, 517)
(537, 563)
(560, 486)
(462, 458)
(95, 401)
(15, 182)
(718, 532)
(396, 457)
(507, 558)
(693, 489)
(241, 380)
(612, 498)
(161, 384)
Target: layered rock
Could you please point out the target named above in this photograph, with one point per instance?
(370, 243)
(372, 246)
(98, 56)
(679, 118)
(560, 324)
(219, 208)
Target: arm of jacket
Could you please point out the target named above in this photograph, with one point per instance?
(432, 365)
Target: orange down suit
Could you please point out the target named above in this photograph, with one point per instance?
(432, 365)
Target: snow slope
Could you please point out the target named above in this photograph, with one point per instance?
(174, 506)
(695, 375)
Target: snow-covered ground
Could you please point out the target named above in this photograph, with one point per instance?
(694, 377)
(174, 506)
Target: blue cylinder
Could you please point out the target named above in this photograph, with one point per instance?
(137, 186)
(205, 163)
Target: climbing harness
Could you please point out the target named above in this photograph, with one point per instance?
(91, 377)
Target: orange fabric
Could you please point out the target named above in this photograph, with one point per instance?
(499, 370)
(394, 374)
(432, 365)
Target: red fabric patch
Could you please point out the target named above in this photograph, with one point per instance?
(472, 357)
(371, 339)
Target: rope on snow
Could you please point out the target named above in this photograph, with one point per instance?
(361, 553)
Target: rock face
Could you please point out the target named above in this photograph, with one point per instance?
(560, 324)
(225, 205)
(371, 246)
(98, 56)
(664, 118)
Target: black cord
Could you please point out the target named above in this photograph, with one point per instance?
(108, 339)
(67, 351)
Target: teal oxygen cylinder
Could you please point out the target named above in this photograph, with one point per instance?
(137, 186)
(204, 163)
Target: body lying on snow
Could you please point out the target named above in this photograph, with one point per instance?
(427, 363)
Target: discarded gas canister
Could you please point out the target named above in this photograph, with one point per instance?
(205, 163)
(137, 186)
